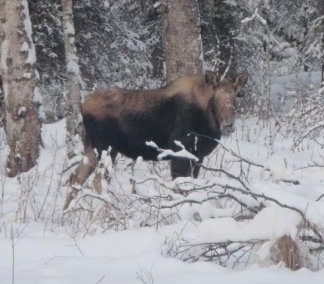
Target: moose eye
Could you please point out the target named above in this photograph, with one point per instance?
(240, 93)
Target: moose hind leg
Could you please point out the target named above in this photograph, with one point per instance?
(82, 172)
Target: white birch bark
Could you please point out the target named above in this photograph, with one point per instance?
(73, 92)
(322, 44)
(21, 98)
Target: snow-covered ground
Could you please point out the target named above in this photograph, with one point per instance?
(43, 257)
(159, 235)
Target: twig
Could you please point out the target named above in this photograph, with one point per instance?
(102, 278)
(307, 133)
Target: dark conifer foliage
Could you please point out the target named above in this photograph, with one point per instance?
(218, 29)
(115, 41)
(119, 42)
(46, 18)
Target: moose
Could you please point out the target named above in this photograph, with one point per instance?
(195, 110)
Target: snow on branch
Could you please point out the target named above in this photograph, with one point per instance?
(230, 242)
(276, 176)
(28, 46)
(255, 15)
(319, 125)
(167, 153)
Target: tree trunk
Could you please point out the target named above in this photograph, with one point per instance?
(73, 83)
(322, 47)
(265, 109)
(22, 126)
(181, 38)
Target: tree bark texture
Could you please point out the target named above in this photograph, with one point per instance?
(73, 83)
(322, 43)
(181, 38)
(21, 98)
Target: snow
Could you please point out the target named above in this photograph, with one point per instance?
(120, 257)
(5, 51)
(208, 230)
(28, 47)
(22, 111)
(120, 237)
(69, 29)
(255, 15)
(165, 153)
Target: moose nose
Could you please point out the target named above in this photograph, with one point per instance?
(227, 128)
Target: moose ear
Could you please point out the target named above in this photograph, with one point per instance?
(240, 80)
(211, 78)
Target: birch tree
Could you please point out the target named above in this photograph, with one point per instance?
(181, 38)
(21, 98)
(322, 45)
(73, 83)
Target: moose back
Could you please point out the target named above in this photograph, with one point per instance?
(194, 110)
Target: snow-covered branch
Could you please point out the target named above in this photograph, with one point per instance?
(167, 153)
(255, 15)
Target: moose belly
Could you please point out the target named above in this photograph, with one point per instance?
(134, 150)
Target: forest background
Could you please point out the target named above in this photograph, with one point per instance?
(120, 43)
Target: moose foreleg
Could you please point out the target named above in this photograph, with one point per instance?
(82, 172)
(184, 168)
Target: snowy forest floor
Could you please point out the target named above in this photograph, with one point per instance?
(262, 183)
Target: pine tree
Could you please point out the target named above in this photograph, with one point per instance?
(46, 18)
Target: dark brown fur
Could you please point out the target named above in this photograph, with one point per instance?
(194, 110)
